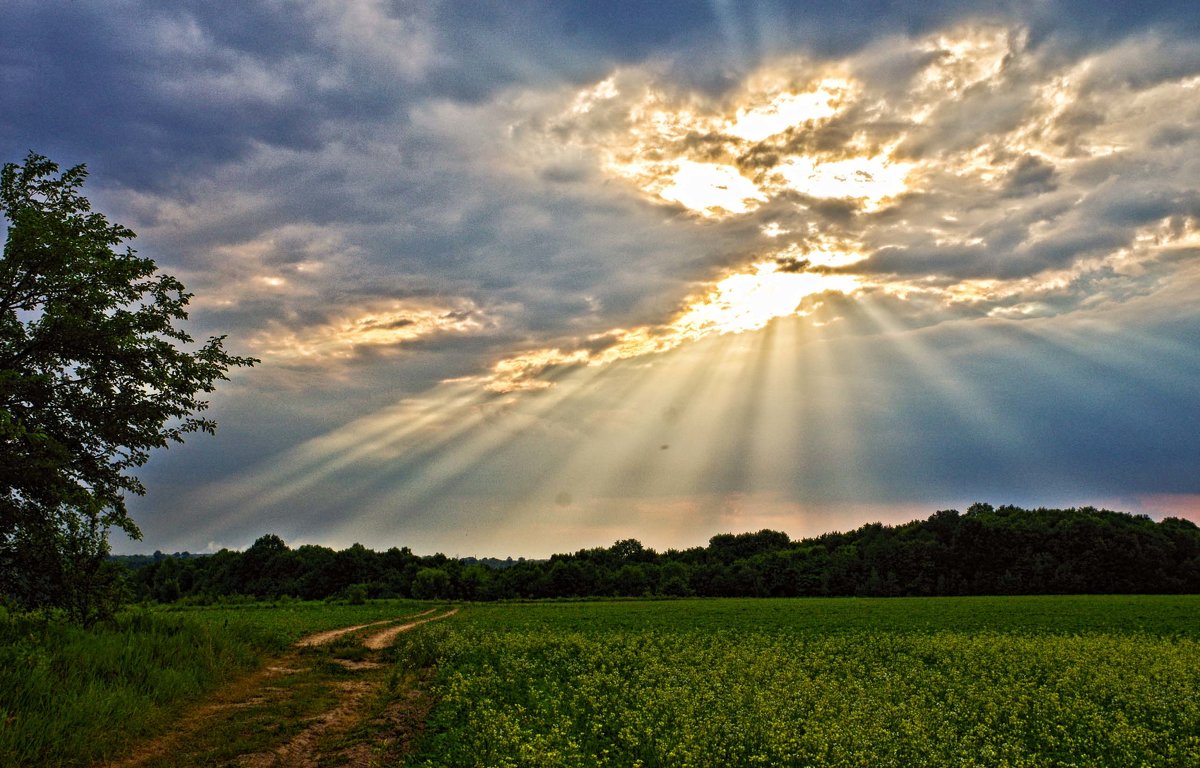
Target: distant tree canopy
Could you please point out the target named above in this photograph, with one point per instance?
(93, 376)
(986, 550)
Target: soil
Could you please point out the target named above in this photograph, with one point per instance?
(300, 751)
(385, 638)
(327, 637)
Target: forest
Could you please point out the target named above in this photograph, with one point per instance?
(984, 551)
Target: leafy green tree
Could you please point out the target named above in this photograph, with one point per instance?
(431, 584)
(630, 580)
(476, 582)
(95, 373)
(729, 547)
(631, 550)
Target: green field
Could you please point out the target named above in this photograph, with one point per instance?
(71, 697)
(1013, 681)
(1041, 681)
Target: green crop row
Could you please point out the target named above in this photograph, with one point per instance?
(583, 684)
(1161, 615)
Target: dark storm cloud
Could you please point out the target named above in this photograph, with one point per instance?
(152, 92)
(1030, 176)
(158, 94)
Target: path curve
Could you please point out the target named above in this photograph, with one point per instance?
(297, 753)
(321, 638)
(381, 640)
(351, 696)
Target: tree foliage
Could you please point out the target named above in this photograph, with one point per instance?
(984, 551)
(95, 373)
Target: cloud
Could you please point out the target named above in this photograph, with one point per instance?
(390, 202)
(978, 151)
(150, 92)
(387, 327)
(1030, 176)
(978, 167)
(972, 182)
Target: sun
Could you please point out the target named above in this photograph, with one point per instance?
(748, 300)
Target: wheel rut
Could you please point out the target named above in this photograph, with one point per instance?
(326, 684)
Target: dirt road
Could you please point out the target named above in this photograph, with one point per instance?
(378, 642)
(292, 710)
(326, 637)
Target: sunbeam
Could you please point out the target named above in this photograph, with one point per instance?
(385, 503)
(627, 449)
(838, 397)
(773, 435)
(971, 408)
(742, 265)
(436, 419)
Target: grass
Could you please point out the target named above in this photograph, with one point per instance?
(328, 705)
(255, 716)
(72, 697)
(278, 625)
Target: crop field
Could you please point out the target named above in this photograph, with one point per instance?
(1039, 681)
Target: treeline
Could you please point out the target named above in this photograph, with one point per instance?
(984, 551)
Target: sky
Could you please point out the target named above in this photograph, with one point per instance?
(527, 277)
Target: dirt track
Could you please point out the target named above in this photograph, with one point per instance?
(333, 634)
(267, 686)
(378, 642)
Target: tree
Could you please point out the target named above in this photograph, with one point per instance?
(94, 374)
(630, 550)
(431, 584)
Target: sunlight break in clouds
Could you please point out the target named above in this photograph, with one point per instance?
(757, 121)
(708, 188)
(700, 155)
(387, 326)
(872, 180)
(962, 160)
(743, 301)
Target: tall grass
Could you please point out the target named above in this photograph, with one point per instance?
(71, 696)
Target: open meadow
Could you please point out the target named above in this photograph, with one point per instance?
(1011, 681)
